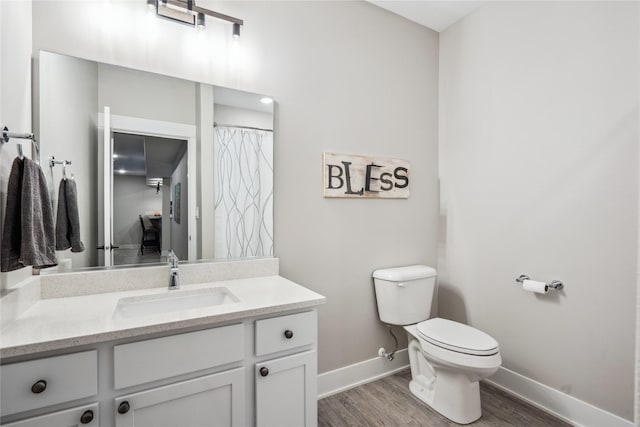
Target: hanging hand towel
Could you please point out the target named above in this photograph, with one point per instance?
(11, 234)
(68, 219)
(30, 218)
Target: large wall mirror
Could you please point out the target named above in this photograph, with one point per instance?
(159, 163)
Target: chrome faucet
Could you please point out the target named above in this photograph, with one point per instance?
(174, 279)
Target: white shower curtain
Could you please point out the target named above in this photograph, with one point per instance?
(243, 192)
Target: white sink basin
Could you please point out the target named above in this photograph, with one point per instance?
(172, 301)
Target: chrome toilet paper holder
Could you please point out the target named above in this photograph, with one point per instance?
(554, 284)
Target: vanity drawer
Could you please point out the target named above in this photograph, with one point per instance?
(156, 359)
(86, 416)
(285, 332)
(43, 382)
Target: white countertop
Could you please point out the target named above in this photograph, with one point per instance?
(58, 323)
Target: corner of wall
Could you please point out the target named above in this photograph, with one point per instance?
(15, 97)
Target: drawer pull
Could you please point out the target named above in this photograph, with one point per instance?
(39, 387)
(288, 334)
(264, 371)
(123, 407)
(87, 417)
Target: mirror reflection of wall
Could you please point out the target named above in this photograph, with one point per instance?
(71, 94)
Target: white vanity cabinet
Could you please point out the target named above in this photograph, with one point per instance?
(209, 400)
(255, 371)
(286, 387)
(212, 400)
(286, 391)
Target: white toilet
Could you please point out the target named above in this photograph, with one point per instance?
(447, 358)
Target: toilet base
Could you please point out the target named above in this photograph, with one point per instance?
(455, 400)
(449, 392)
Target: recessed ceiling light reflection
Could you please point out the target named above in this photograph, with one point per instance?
(266, 100)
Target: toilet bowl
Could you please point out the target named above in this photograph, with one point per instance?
(445, 369)
(447, 358)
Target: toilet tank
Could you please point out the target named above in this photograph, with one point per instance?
(404, 294)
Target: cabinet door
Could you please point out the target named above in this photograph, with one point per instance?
(83, 416)
(286, 391)
(212, 400)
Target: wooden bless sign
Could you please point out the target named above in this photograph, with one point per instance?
(347, 175)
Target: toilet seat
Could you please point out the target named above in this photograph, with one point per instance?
(457, 337)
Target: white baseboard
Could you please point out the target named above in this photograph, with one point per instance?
(561, 405)
(342, 379)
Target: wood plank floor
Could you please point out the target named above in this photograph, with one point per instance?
(388, 402)
(126, 256)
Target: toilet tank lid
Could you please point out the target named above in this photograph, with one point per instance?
(402, 274)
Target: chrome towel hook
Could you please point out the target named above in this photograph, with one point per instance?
(7, 135)
(64, 163)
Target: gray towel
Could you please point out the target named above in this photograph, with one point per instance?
(28, 237)
(11, 233)
(68, 220)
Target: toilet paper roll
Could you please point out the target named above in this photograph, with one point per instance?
(534, 286)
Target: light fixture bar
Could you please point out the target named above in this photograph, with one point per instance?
(194, 8)
(174, 14)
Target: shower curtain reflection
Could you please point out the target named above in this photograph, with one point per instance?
(243, 192)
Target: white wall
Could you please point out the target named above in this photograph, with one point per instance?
(347, 77)
(539, 176)
(132, 197)
(15, 95)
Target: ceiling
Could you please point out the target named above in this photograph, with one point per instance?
(437, 15)
(148, 156)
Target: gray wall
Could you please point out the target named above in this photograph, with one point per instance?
(67, 106)
(132, 197)
(539, 175)
(147, 96)
(369, 89)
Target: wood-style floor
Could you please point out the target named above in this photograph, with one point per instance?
(125, 256)
(388, 402)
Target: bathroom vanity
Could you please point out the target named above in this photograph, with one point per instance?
(246, 356)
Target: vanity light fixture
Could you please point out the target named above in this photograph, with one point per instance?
(200, 21)
(186, 12)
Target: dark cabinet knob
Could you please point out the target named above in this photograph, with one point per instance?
(288, 334)
(39, 387)
(87, 417)
(264, 371)
(123, 407)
